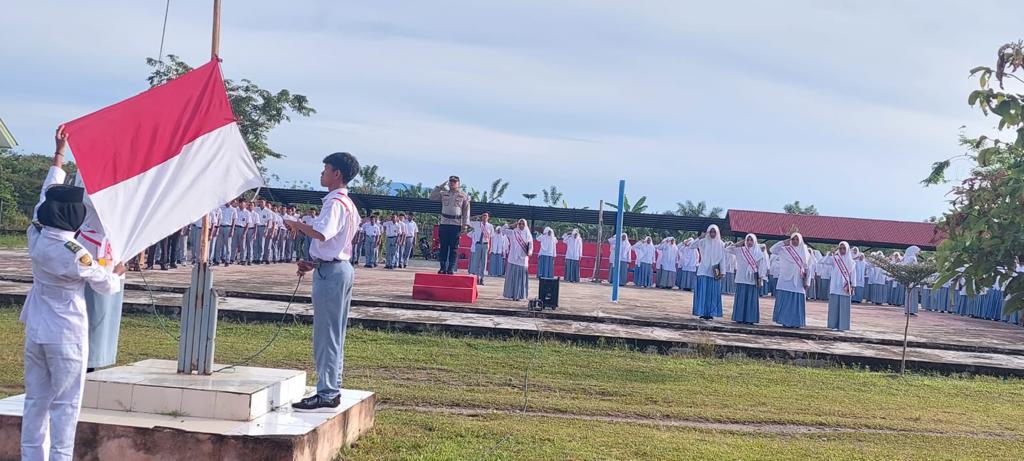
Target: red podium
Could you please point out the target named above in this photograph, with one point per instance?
(436, 287)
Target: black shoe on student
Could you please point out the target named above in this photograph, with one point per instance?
(316, 402)
(174, 266)
(163, 267)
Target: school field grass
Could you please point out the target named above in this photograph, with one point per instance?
(445, 397)
(8, 241)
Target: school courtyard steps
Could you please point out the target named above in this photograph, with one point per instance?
(717, 338)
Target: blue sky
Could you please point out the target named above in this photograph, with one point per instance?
(746, 104)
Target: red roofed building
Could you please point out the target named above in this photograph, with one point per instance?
(832, 229)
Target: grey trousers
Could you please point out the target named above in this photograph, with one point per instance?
(260, 243)
(407, 250)
(478, 262)
(332, 296)
(391, 252)
(223, 252)
(370, 251)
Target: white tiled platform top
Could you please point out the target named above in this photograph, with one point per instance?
(280, 422)
(154, 386)
(163, 373)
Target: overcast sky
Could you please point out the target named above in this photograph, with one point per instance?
(743, 104)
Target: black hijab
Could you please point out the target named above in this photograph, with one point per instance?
(63, 208)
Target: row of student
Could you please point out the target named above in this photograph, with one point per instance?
(397, 235)
(240, 232)
(953, 297)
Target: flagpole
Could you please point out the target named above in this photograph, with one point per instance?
(199, 305)
(204, 246)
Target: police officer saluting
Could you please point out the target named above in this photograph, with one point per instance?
(454, 218)
(56, 327)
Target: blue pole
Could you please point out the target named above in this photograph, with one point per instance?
(618, 242)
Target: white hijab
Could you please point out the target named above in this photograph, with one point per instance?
(755, 250)
(911, 255)
(712, 249)
(790, 269)
(847, 260)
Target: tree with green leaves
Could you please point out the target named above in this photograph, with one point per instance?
(417, 191)
(983, 225)
(639, 207)
(795, 208)
(498, 188)
(529, 198)
(258, 110)
(699, 209)
(21, 177)
(552, 197)
(370, 181)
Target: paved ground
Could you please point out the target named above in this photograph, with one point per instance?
(660, 317)
(592, 300)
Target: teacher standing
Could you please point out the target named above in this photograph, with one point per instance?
(454, 218)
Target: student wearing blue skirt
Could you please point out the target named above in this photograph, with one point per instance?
(794, 278)
(573, 252)
(620, 264)
(707, 297)
(548, 252)
(668, 257)
(912, 302)
(840, 268)
(860, 279)
(499, 248)
(517, 278)
(689, 258)
(751, 273)
(645, 253)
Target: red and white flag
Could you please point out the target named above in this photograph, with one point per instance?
(160, 160)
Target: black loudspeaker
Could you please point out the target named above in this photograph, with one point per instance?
(548, 292)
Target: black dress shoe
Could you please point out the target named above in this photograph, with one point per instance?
(316, 402)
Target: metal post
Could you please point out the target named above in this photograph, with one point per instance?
(600, 241)
(618, 242)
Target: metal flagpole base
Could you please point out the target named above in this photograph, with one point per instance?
(198, 323)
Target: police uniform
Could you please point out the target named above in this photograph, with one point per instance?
(56, 330)
(454, 218)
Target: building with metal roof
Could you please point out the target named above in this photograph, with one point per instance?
(875, 233)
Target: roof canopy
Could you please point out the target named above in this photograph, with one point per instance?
(833, 229)
(875, 233)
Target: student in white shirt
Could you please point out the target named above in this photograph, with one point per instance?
(411, 229)
(751, 273)
(548, 252)
(573, 254)
(331, 249)
(668, 257)
(645, 254)
(54, 314)
(795, 275)
(371, 241)
(480, 245)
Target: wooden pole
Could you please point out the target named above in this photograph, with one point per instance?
(215, 48)
(199, 305)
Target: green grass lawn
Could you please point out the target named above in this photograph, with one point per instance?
(947, 417)
(13, 241)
